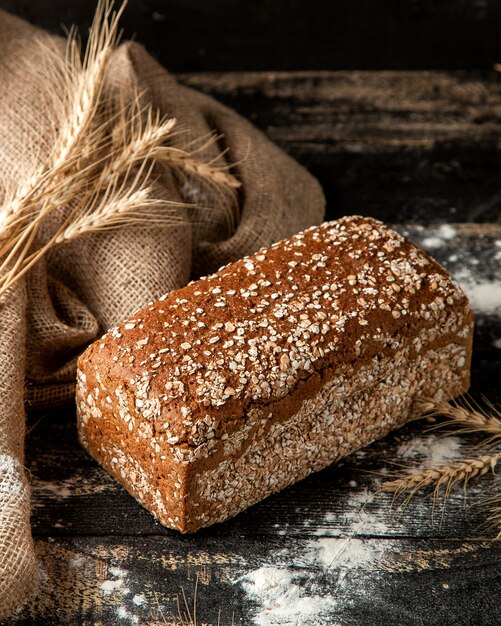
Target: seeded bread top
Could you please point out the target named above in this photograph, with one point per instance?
(194, 361)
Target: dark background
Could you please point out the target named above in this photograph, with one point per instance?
(394, 105)
(217, 35)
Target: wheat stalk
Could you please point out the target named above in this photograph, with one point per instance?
(442, 478)
(465, 416)
(443, 475)
(80, 83)
(53, 184)
(103, 159)
(494, 517)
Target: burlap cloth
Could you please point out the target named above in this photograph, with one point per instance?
(86, 286)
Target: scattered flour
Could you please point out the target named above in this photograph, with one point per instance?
(281, 600)
(477, 276)
(347, 552)
(117, 571)
(118, 587)
(356, 518)
(11, 481)
(286, 595)
(108, 586)
(139, 599)
(432, 449)
(443, 234)
(484, 295)
(123, 613)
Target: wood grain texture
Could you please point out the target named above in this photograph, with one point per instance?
(403, 146)
(106, 561)
(409, 582)
(222, 35)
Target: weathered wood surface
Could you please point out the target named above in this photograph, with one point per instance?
(345, 555)
(222, 35)
(408, 146)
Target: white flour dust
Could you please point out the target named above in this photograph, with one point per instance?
(139, 599)
(117, 586)
(11, 481)
(360, 516)
(433, 450)
(346, 552)
(287, 590)
(443, 234)
(477, 276)
(484, 295)
(281, 600)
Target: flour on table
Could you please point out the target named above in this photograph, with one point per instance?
(123, 613)
(281, 600)
(442, 235)
(362, 513)
(433, 450)
(484, 295)
(286, 590)
(117, 586)
(139, 599)
(108, 586)
(346, 552)
(478, 277)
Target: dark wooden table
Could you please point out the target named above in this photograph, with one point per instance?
(421, 150)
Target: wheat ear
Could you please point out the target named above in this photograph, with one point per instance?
(442, 478)
(79, 84)
(53, 184)
(465, 416)
(443, 475)
(100, 170)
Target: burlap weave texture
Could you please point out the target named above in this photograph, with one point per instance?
(86, 286)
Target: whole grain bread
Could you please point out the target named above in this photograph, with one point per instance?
(247, 380)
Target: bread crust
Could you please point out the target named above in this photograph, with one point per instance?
(211, 375)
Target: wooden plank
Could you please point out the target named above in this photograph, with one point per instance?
(403, 146)
(73, 496)
(289, 580)
(294, 34)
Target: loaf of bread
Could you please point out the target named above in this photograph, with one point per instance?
(246, 381)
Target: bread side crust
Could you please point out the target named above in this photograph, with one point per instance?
(278, 444)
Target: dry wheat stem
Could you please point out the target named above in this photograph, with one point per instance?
(494, 520)
(465, 416)
(141, 147)
(83, 84)
(99, 173)
(443, 474)
(36, 198)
